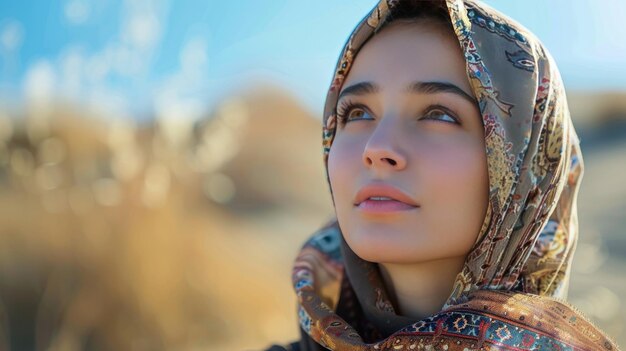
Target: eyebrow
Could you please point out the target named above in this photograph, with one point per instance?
(364, 88)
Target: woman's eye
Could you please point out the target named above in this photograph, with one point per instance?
(356, 113)
(441, 115)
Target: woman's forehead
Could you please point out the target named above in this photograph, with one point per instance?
(400, 55)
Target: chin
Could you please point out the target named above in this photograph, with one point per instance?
(386, 255)
(381, 248)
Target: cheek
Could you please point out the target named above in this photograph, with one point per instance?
(343, 162)
(458, 185)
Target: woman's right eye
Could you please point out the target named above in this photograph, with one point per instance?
(354, 113)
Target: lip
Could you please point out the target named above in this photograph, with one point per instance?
(399, 200)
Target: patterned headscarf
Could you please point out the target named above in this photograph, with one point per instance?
(519, 265)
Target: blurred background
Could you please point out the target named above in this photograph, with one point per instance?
(161, 164)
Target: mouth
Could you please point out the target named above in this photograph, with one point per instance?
(380, 198)
(381, 204)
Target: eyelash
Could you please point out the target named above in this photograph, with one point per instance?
(347, 106)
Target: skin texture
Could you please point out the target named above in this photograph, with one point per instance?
(400, 138)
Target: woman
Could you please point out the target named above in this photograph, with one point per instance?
(454, 169)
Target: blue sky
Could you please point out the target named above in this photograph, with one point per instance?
(143, 56)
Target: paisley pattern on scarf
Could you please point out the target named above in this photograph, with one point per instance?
(510, 294)
(481, 320)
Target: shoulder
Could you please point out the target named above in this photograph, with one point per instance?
(319, 264)
(530, 320)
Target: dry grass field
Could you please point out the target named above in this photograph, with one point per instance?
(120, 235)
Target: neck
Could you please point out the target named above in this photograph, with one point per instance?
(420, 289)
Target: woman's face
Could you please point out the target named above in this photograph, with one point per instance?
(412, 124)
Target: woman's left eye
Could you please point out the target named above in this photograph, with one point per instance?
(438, 114)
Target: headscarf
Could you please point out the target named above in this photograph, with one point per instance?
(511, 291)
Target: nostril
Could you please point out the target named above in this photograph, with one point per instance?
(392, 162)
(369, 161)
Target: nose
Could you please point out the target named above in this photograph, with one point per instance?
(381, 150)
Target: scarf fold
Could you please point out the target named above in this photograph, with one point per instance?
(511, 291)
(335, 314)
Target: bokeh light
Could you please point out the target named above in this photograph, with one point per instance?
(161, 164)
